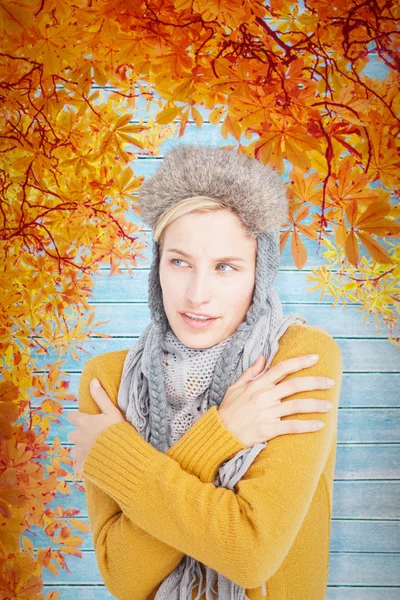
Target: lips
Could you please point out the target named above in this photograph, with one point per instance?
(198, 314)
(198, 323)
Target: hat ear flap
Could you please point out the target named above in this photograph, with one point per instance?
(154, 298)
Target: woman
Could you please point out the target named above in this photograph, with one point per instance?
(194, 486)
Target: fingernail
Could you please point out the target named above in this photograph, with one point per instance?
(313, 357)
(96, 382)
(330, 381)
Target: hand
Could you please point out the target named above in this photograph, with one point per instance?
(252, 410)
(89, 426)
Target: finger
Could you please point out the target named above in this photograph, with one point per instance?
(100, 396)
(71, 416)
(288, 366)
(305, 405)
(249, 374)
(300, 426)
(302, 384)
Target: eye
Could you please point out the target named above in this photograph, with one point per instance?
(233, 268)
(179, 259)
(172, 260)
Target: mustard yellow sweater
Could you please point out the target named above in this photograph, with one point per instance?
(148, 509)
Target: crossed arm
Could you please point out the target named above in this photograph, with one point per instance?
(144, 506)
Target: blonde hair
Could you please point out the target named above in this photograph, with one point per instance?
(194, 204)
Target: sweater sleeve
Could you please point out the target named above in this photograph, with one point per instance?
(131, 561)
(243, 534)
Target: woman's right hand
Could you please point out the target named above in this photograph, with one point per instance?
(252, 410)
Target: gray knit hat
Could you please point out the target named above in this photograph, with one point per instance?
(253, 190)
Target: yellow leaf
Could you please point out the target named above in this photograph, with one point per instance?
(100, 76)
(27, 544)
(124, 120)
(197, 117)
(168, 115)
(131, 140)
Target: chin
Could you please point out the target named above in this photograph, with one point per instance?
(196, 339)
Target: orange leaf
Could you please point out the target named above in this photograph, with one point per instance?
(197, 117)
(184, 120)
(15, 18)
(231, 126)
(376, 251)
(80, 525)
(352, 212)
(215, 116)
(351, 248)
(383, 227)
(374, 211)
(299, 251)
(283, 239)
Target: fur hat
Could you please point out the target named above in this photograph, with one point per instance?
(253, 190)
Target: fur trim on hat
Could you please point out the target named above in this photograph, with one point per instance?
(253, 190)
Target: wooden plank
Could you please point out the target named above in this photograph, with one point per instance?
(80, 592)
(364, 536)
(371, 569)
(362, 593)
(366, 499)
(367, 461)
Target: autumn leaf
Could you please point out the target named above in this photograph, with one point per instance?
(168, 115)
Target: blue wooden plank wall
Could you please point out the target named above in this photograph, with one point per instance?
(365, 529)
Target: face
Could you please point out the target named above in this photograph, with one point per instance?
(215, 276)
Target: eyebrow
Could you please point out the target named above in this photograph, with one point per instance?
(222, 259)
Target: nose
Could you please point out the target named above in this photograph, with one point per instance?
(199, 288)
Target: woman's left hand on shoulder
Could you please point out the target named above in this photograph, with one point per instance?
(89, 426)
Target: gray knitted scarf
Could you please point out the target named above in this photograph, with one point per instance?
(143, 398)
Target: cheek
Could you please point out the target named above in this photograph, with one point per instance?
(240, 295)
(169, 286)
